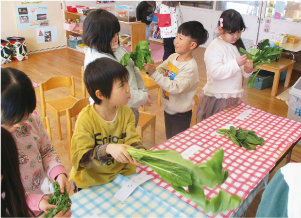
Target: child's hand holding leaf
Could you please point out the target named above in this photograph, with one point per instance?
(150, 68)
(248, 67)
(241, 60)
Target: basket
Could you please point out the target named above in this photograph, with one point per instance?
(293, 39)
(71, 9)
(74, 43)
(72, 27)
(263, 82)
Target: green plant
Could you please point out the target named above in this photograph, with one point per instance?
(61, 200)
(243, 138)
(180, 173)
(141, 55)
(263, 55)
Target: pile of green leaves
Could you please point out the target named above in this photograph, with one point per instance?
(243, 138)
(141, 55)
(180, 173)
(263, 55)
(61, 200)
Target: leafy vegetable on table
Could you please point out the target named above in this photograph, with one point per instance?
(243, 138)
(263, 55)
(180, 173)
(61, 200)
(141, 55)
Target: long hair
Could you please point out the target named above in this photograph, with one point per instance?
(100, 26)
(18, 98)
(232, 22)
(14, 203)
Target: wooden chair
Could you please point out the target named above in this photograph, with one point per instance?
(146, 119)
(46, 123)
(196, 104)
(72, 112)
(57, 106)
(83, 83)
(150, 84)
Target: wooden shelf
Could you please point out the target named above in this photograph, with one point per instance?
(137, 29)
(155, 40)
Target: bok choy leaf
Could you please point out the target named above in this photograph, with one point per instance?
(180, 173)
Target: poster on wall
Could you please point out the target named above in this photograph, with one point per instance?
(46, 34)
(104, 1)
(269, 15)
(32, 16)
(30, 1)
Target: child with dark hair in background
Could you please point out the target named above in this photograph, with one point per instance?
(225, 67)
(100, 34)
(145, 14)
(37, 158)
(169, 17)
(178, 77)
(104, 129)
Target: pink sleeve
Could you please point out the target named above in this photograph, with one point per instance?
(33, 201)
(57, 170)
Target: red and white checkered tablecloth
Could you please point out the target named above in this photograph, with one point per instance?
(246, 168)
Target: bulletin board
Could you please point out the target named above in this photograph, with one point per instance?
(32, 16)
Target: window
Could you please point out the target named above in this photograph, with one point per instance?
(284, 10)
(243, 7)
(199, 4)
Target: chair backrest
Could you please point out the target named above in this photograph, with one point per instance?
(53, 83)
(196, 104)
(59, 81)
(83, 83)
(72, 113)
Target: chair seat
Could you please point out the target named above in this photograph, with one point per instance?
(150, 83)
(61, 104)
(145, 120)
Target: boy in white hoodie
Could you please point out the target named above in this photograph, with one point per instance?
(178, 77)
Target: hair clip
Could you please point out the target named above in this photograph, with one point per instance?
(221, 22)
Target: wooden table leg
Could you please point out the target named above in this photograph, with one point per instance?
(159, 96)
(288, 75)
(289, 156)
(275, 83)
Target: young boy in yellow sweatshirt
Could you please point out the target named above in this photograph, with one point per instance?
(178, 77)
(104, 129)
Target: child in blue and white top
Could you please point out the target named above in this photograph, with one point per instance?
(225, 67)
(100, 33)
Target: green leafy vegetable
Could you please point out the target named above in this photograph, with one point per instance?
(141, 55)
(243, 138)
(263, 55)
(61, 200)
(125, 59)
(180, 173)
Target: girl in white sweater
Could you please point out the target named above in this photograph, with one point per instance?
(100, 33)
(225, 67)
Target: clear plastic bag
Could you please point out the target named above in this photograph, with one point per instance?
(294, 103)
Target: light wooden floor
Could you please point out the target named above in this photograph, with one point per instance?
(41, 66)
